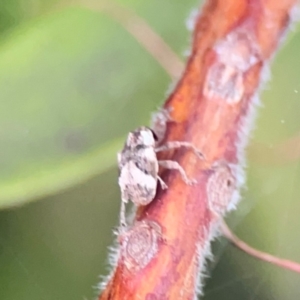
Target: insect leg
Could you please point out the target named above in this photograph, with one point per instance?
(162, 183)
(178, 144)
(171, 164)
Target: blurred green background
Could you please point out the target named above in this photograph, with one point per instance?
(73, 82)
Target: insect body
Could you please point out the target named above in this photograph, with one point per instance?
(138, 166)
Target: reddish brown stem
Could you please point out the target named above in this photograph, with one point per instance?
(283, 263)
(162, 254)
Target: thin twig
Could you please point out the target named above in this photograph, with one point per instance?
(278, 154)
(283, 263)
(140, 30)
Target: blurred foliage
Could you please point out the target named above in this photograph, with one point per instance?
(73, 82)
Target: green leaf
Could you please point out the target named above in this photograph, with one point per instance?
(53, 178)
(68, 82)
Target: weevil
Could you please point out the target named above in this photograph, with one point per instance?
(139, 165)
